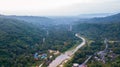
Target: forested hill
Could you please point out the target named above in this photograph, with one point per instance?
(19, 40)
(12, 28)
(108, 19)
(100, 28)
(99, 31)
(16, 38)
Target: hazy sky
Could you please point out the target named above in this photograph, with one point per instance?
(58, 7)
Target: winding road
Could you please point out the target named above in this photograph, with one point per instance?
(67, 55)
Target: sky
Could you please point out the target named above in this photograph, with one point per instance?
(58, 7)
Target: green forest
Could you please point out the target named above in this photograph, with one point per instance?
(95, 33)
(20, 40)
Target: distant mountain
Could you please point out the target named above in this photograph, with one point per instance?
(64, 20)
(104, 27)
(94, 15)
(112, 18)
(53, 20)
(33, 19)
(108, 19)
(47, 21)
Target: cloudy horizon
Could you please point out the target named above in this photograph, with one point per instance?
(58, 7)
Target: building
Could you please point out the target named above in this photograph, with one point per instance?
(75, 65)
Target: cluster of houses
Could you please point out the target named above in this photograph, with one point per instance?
(46, 57)
(40, 56)
(101, 55)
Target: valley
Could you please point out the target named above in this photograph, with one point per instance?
(29, 41)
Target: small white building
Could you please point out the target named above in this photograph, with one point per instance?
(75, 65)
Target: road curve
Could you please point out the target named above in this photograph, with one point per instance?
(67, 55)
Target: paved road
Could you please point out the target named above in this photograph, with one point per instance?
(67, 55)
